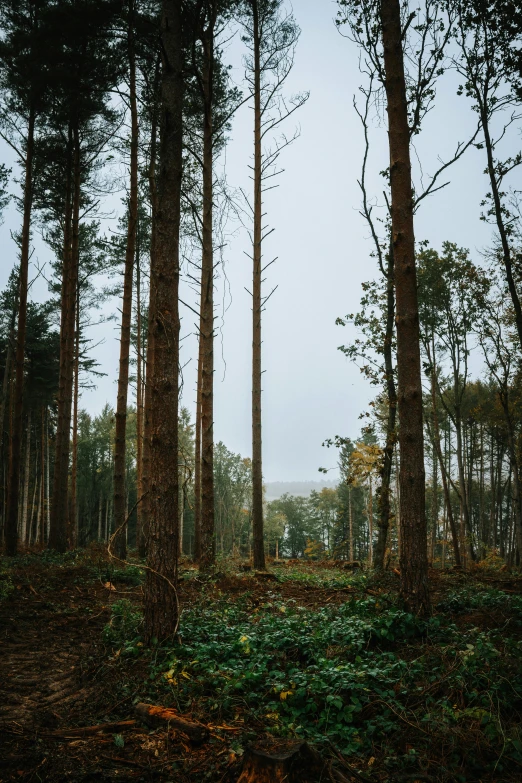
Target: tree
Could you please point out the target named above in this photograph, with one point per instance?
(160, 600)
(215, 103)
(413, 559)
(126, 313)
(452, 295)
(271, 36)
(23, 91)
(490, 68)
(424, 40)
(497, 340)
(78, 129)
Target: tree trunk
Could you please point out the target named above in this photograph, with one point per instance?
(499, 217)
(207, 556)
(257, 465)
(15, 450)
(442, 463)
(160, 599)
(413, 560)
(144, 507)
(25, 506)
(6, 382)
(370, 523)
(350, 522)
(391, 435)
(120, 544)
(466, 531)
(435, 504)
(48, 478)
(42, 488)
(72, 532)
(58, 531)
(292, 763)
(139, 399)
(516, 488)
(197, 456)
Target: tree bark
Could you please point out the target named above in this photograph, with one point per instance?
(442, 464)
(120, 543)
(139, 398)
(197, 457)
(466, 532)
(391, 434)
(293, 763)
(144, 506)
(15, 450)
(257, 465)
(207, 555)
(413, 558)
(58, 529)
(160, 600)
(72, 532)
(515, 470)
(499, 217)
(42, 488)
(27, 475)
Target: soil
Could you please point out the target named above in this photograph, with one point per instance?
(57, 679)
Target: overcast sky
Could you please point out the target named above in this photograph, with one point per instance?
(311, 391)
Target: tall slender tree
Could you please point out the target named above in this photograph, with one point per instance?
(84, 70)
(126, 313)
(413, 559)
(22, 65)
(160, 601)
(271, 35)
(489, 64)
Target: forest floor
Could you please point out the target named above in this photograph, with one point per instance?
(314, 653)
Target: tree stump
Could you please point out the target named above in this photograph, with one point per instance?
(292, 763)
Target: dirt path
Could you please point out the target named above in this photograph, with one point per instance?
(49, 627)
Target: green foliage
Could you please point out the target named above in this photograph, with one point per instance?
(131, 575)
(321, 577)
(358, 674)
(123, 629)
(119, 741)
(6, 584)
(469, 598)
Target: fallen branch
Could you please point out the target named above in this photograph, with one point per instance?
(85, 731)
(164, 717)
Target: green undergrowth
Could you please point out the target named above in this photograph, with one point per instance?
(366, 675)
(6, 583)
(321, 577)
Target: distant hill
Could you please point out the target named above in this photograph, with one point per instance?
(274, 489)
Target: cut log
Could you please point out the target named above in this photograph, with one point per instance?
(291, 763)
(167, 718)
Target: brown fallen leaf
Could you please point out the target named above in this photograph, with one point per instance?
(109, 586)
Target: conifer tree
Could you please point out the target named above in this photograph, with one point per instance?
(126, 313)
(22, 83)
(160, 601)
(271, 36)
(83, 71)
